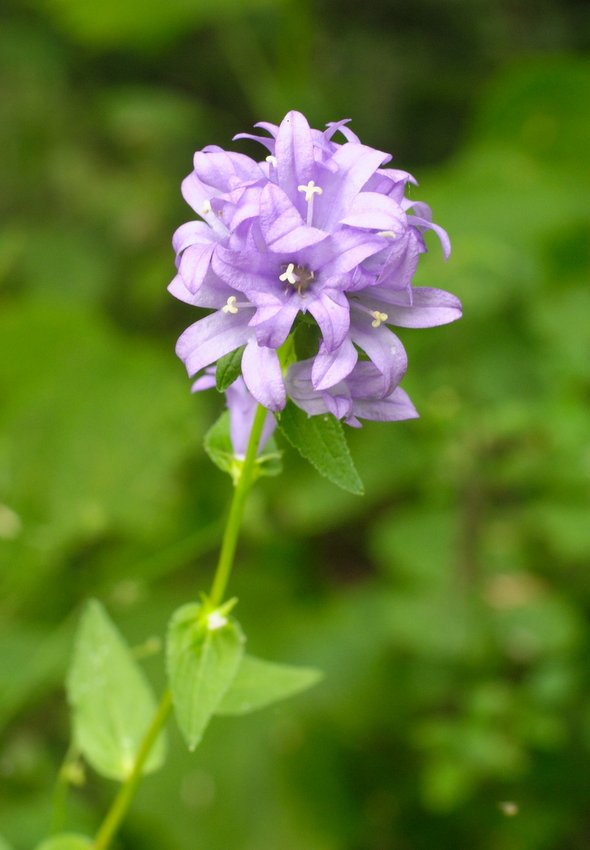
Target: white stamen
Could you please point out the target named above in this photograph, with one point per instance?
(231, 305)
(390, 234)
(310, 190)
(289, 276)
(272, 160)
(206, 208)
(215, 620)
(378, 318)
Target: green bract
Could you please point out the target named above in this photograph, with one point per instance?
(204, 650)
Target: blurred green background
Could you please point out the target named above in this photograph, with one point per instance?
(450, 606)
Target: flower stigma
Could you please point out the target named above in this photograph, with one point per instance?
(297, 276)
(230, 306)
(378, 318)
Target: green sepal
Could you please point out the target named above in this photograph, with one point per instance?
(321, 441)
(229, 367)
(219, 448)
(111, 700)
(204, 650)
(260, 683)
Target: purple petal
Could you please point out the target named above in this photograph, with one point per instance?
(210, 338)
(356, 163)
(206, 381)
(273, 129)
(416, 221)
(367, 382)
(197, 195)
(300, 390)
(331, 367)
(193, 192)
(382, 346)
(295, 159)
(242, 205)
(268, 142)
(393, 408)
(418, 307)
(283, 228)
(339, 406)
(224, 170)
(274, 318)
(335, 126)
(214, 294)
(192, 233)
(263, 377)
(331, 311)
(343, 251)
(401, 261)
(245, 270)
(370, 209)
(194, 265)
(242, 409)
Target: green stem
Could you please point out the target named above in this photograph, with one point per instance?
(236, 511)
(60, 792)
(121, 803)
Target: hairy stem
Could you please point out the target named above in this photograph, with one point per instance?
(236, 511)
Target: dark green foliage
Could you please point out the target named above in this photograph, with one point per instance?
(448, 607)
(321, 441)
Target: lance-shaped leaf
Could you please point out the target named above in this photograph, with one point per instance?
(111, 700)
(204, 651)
(321, 441)
(66, 841)
(260, 683)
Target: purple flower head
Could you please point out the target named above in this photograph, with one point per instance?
(317, 231)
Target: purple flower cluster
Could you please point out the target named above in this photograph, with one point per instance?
(320, 237)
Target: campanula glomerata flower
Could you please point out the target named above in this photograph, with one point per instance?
(316, 232)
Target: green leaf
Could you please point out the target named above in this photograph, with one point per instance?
(259, 683)
(204, 651)
(66, 841)
(321, 441)
(112, 702)
(219, 448)
(229, 367)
